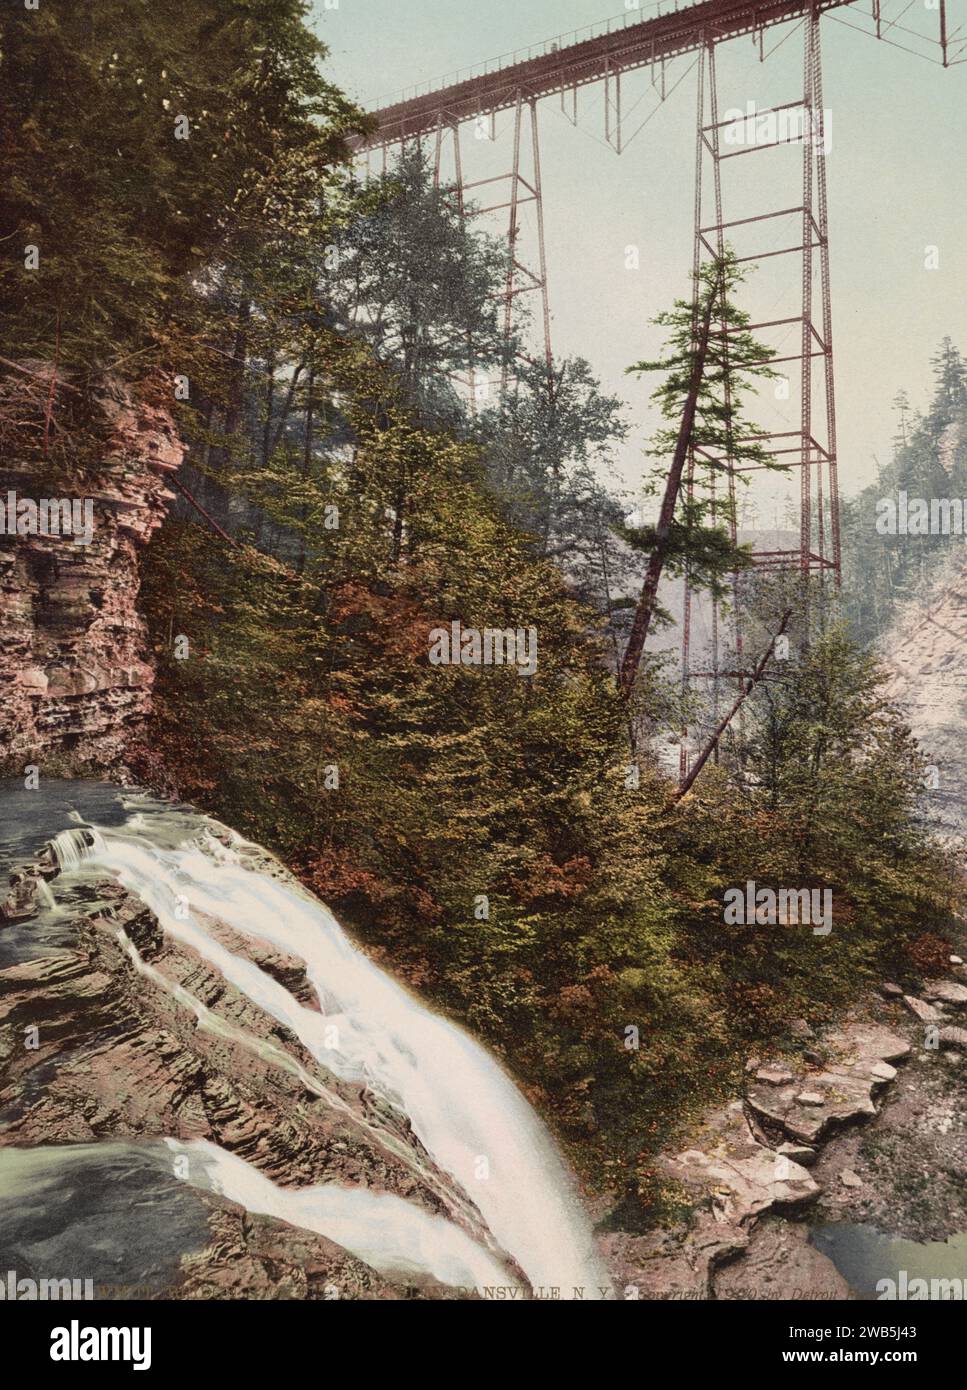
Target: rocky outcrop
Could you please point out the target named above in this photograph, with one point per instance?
(131, 1035)
(748, 1164)
(924, 655)
(75, 677)
(741, 1176)
(673, 1264)
(885, 1145)
(905, 1173)
(843, 1090)
(779, 1262)
(733, 1179)
(257, 1257)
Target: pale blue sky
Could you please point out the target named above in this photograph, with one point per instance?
(896, 186)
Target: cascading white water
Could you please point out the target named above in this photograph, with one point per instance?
(46, 896)
(73, 847)
(466, 1112)
(392, 1235)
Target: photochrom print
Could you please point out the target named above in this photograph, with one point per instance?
(483, 667)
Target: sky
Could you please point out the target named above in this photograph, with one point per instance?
(898, 127)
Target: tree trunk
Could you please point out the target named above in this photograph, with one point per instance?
(723, 724)
(649, 592)
(306, 459)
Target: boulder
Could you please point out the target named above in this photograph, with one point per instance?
(738, 1176)
(779, 1263)
(925, 1012)
(774, 1074)
(665, 1265)
(21, 899)
(882, 1071)
(946, 992)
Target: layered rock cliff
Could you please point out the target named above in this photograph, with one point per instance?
(926, 655)
(127, 1037)
(75, 674)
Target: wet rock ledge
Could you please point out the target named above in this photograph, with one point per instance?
(793, 1142)
(129, 1035)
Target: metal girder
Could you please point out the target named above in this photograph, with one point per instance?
(637, 44)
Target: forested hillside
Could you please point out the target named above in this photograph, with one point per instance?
(929, 462)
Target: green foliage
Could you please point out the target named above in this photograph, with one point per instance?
(419, 287)
(734, 361)
(882, 571)
(605, 903)
(127, 217)
(704, 516)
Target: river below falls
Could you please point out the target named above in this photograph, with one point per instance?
(112, 1213)
(875, 1265)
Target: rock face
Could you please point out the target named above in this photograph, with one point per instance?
(131, 1035)
(742, 1176)
(780, 1263)
(734, 1179)
(255, 1257)
(746, 1167)
(673, 1265)
(74, 671)
(925, 654)
(842, 1091)
(132, 1060)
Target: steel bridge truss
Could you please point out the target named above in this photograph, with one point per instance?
(802, 229)
(562, 68)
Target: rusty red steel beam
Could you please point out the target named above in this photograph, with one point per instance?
(591, 60)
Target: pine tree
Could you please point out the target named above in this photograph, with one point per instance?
(144, 147)
(415, 280)
(710, 362)
(950, 394)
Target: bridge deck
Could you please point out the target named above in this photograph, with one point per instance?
(635, 45)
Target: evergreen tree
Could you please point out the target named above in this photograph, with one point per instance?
(950, 393)
(414, 280)
(710, 362)
(143, 146)
(548, 442)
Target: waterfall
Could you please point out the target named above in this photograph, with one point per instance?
(467, 1113)
(391, 1235)
(72, 847)
(45, 895)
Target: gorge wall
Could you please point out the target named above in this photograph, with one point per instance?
(75, 671)
(925, 653)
